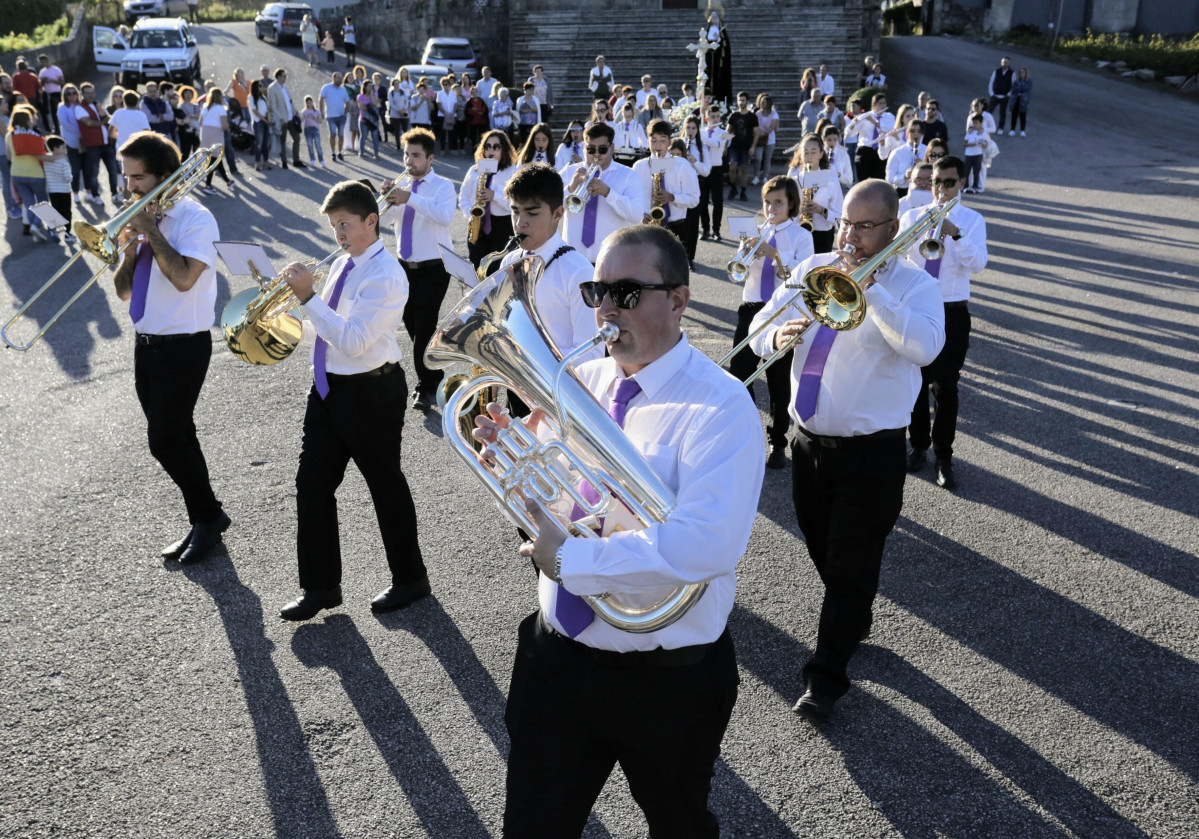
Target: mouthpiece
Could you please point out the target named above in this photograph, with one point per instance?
(609, 332)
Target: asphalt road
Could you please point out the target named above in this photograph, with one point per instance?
(1034, 662)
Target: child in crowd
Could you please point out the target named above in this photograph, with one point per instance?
(329, 45)
(312, 120)
(976, 144)
(58, 181)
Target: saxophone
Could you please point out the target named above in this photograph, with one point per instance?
(808, 193)
(476, 212)
(656, 213)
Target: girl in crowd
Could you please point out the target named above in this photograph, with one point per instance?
(353, 85)
(368, 119)
(692, 149)
(262, 126)
(807, 84)
(1021, 93)
(571, 150)
(762, 148)
(27, 152)
(601, 111)
(838, 158)
(821, 207)
(537, 149)
(650, 112)
(496, 227)
(214, 122)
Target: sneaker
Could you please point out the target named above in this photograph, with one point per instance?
(13, 212)
(232, 185)
(70, 238)
(52, 236)
(207, 190)
(38, 233)
(743, 198)
(1022, 134)
(755, 182)
(1012, 133)
(323, 166)
(96, 200)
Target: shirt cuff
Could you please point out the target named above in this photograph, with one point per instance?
(578, 560)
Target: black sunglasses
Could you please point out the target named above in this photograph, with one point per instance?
(626, 294)
(493, 147)
(948, 183)
(597, 149)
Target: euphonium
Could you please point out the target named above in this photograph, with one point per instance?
(738, 267)
(577, 200)
(497, 328)
(477, 211)
(657, 213)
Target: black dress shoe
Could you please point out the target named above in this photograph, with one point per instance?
(777, 458)
(422, 402)
(299, 164)
(917, 459)
(397, 595)
(705, 236)
(716, 237)
(204, 538)
(945, 476)
(311, 602)
(173, 550)
(814, 706)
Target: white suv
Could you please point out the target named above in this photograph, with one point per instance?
(135, 10)
(159, 49)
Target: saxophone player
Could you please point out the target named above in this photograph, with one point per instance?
(482, 200)
(819, 191)
(674, 190)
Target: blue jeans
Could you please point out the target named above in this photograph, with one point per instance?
(262, 141)
(32, 191)
(365, 128)
(230, 158)
(312, 136)
(75, 158)
(337, 128)
(6, 182)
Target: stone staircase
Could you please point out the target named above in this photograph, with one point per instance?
(771, 46)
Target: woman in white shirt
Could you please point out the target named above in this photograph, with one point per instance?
(262, 126)
(810, 170)
(600, 112)
(495, 229)
(762, 148)
(701, 161)
(397, 108)
(571, 150)
(214, 122)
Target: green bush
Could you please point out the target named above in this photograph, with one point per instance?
(1165, 56)
(902, 19)
(864, 95)
(218, 11)
(31, 14)
(47, 33)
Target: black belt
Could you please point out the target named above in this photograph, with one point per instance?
(382, 370)
(851, 442)
(636, 659)
(148, 339)
(956, 304)
(416, 266)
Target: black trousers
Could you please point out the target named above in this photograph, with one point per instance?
(711, 189)
(778, 377)
(168, 376)
(941, 380)
(361, 419)
(1001, 101)
(501, 233)
(426, 289)
(574, 714)
(288, 129)
(868, 164)
(847, 500)
(1022, 115)
(682, 231)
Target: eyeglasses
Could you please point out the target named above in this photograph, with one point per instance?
(948, 183)
(626, 294)
(598, 149)
(936, 156)
(863, 226)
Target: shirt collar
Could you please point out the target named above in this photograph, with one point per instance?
(657, 374)
(550, 247)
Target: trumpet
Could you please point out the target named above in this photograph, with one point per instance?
(934, 247)
(577, 200)
(257, 323)
(476, 212)
(738, 267)
(657, 213)
(403, 181)
(834, 297)
(103, 241)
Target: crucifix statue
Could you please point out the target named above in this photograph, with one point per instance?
(701, 48)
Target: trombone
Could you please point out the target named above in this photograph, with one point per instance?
(834, 297)
(103, 241)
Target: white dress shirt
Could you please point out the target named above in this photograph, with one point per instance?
(794, 245)
(361, 331)
(963, 256)
(679, 179)
(559, 302)
(565, 152)
(434, 205)
(915, 198)
(542, 157)
(703, 157)
(872, 373)
(900, 160)
(827, 87)
(630, 135)
(625, 204)
(828, 194)
(644, 94)
(191, 229)
(868, 133)
(838, 160)
(716, 139)
(470, 182)
(701, 435)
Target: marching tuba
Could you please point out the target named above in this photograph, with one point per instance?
(496, 327)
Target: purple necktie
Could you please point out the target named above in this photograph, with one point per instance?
(933, 267)
(589, 216)
(141, 282)
(813, 369)
(406, 225)
(768, 281)
(319, 374)
(572, 611)
(487, 209)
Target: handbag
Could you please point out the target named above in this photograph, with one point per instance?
(28, 144)
(294, 125)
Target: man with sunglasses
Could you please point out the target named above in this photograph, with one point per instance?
(934, 124)
(585, 695)
(964, 237)
(614, 200)
(851, 401)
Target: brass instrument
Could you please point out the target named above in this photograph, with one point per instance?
(403, 181)
(103, 241)
(495, 257)
(835, 298)
(738, 267)
(807, 194)
(258, 324)
(477, 211)
(657, 213)
(577, 200)
(497, 328)
(934, 246)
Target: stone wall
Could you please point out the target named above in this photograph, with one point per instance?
(398, 29)
(72, 55)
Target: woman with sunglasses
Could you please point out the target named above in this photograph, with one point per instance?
(601, 112)
(538, 146)
(788, 245)
(69, 124)
(496, 227)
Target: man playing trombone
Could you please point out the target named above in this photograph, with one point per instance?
(852, 395)
(169, 279)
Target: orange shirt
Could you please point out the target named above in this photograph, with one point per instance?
(240, 93)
